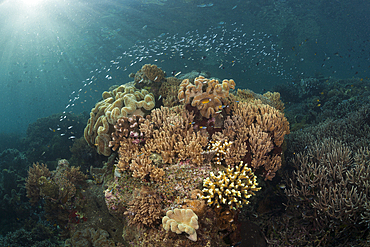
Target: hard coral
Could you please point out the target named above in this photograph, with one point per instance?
(208, 102)
(181, 220)
(123, 101)
(231, 188)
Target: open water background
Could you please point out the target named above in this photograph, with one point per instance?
(60, 55)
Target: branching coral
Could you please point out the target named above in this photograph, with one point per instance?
(34, 182)
(143, 169)
(60, 189)
(126, 127)
(231, 188)
(123, 101)
(145, 210)
(332, 184)
(208, 102)
(181, 220)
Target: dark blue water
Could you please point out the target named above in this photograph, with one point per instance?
(50, 48)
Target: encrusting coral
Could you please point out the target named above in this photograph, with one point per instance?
(123, 101)
(231, 188)
(208, 102)
(181, 220)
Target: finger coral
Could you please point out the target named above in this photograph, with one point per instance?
(231, 188)
(181, 220)
(123, 101)
(208, 102)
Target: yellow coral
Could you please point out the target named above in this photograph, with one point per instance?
(181, 220)
(121, 102)
(231, 188)
(209, 102)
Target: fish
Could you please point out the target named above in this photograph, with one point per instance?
(205, 101)
(202, 127)
(177, 73)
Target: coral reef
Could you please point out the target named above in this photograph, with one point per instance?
(208, 102)
(148, 74)
(168, 91)
(181, 220)
(123, 101)
(331, 183)
(145, 209)
(165, 157)
(60, 189)
(89, 237)
(231, 188)
(126, 126)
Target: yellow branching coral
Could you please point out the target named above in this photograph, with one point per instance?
(208, 102)
(219, 148)
(231, 188)
(181, 220)
(123, 101)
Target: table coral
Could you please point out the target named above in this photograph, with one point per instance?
(230, 188)
(208, 102)
(181, 220)
(123, 101)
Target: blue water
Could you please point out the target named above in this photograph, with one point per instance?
(48, 49)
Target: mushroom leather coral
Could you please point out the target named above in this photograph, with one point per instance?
(123, 101)
(208, 102)
(181, 220)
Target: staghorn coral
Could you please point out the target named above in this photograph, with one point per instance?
(332, 184)
(230, 188)
(145, 210)
(208, 102)
(123, 101)
(181, 220)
